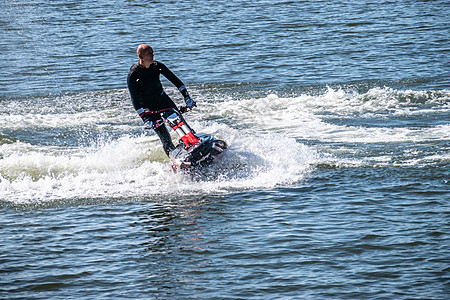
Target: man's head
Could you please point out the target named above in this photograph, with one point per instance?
(145, 54)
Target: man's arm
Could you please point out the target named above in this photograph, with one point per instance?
(178, 83)
(169, 75)
(134, 91)
(135, 95)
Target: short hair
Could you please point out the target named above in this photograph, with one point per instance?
(143, 47)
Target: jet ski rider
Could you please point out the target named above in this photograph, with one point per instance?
(148, 96)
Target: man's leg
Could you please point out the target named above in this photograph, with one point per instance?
(165, 138)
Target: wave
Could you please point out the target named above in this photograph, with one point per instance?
(90, 145)
(137, 167)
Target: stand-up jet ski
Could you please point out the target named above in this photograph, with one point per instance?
(194, 149)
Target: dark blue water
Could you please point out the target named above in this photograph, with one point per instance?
(335, 184)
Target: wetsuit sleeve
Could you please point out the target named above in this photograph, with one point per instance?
(169, 75)
(174, 79)
(134, 91)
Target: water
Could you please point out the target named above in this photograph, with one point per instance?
(335, 184)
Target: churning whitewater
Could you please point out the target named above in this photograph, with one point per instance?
(269, 140)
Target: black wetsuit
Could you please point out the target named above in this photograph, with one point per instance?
(147, 94)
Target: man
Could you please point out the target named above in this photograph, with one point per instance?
(148, 96)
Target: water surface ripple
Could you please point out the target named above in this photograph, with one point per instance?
(335, 184)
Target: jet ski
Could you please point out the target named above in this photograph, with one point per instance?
(194, 150)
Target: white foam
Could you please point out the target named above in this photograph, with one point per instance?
(137, 167)
(306, 116)
(267, 138)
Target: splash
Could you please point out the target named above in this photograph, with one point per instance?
(135, 166)
(97, 151)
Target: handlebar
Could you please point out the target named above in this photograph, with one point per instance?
(184, 109)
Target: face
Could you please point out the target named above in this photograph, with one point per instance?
(147, 55)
